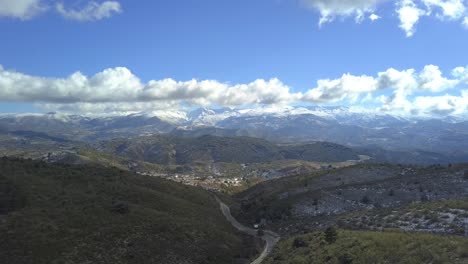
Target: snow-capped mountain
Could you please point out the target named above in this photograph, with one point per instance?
(209, 117)
(342, 125)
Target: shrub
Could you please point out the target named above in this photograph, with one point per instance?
(346, 258)
(299, 242)
(463, 252)
(331, 235)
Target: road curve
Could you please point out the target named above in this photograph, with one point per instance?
(270, 238)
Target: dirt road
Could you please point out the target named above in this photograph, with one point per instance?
(270, 238)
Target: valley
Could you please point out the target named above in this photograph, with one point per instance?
(284, 195)
(233, 132)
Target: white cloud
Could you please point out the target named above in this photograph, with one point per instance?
(347, 87)
(330, 9)
(465, 22)
(409, 12)
(22, 9)
(27, 9)
(461, 73)
(409, 15)
(91, 12)
(118, 90)
(117, 84)
(404, 83)
(374, 17)
(431, 79)
(120, 85)
(451, 9)
(441, 105)
(401, 86)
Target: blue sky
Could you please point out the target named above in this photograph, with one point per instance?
(231, 42)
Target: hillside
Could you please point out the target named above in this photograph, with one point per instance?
(370, 248)
(91, 214)
(318, 151)
(164, 149)
(293, 204)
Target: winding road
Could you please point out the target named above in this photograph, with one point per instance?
(270, 238)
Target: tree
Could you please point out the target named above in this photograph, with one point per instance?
(299, 242)
(331, 235)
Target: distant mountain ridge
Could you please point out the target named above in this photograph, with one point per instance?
(340, 125)
(170, 150)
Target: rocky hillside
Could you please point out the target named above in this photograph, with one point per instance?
(295, 203)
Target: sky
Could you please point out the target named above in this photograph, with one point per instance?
(405, 57)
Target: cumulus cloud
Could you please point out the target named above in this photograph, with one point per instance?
(409, 12)
(117, 84)
(22, 9)
(27, 9)
(465, 22)
(120, 85)
(374, 17)
(441, 105)
(451, 9)
(404, 83)
(401, 86)
(118, 90)
(91, 12)
(330, 9)
(347, 87)
(409, 15)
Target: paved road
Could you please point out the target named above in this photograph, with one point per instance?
(270, 238)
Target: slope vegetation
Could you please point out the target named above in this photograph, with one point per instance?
(91, 214)
(370, 247)
(163, 149)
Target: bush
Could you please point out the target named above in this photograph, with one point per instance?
(299, 242)
(331, 235)
(346, 258)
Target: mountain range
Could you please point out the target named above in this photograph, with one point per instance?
(372, 132)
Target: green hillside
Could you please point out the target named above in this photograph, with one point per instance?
(370, 248)
(163, 149)
(91, 214)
